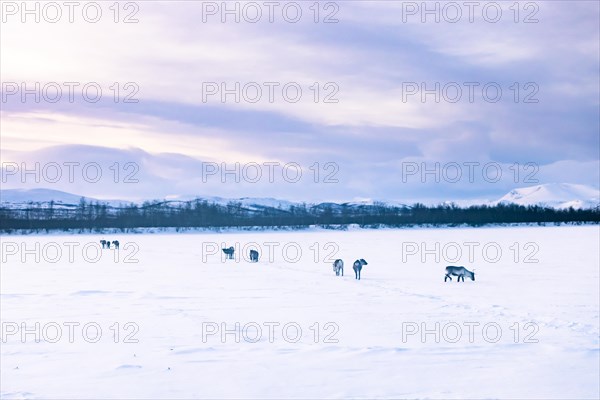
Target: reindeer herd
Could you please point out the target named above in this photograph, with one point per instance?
(106, 244)
(338, 266)
(230, 250)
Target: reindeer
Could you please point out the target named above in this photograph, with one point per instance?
(116, 244)
(253, 255)
(103, 243)
(357, 267)
(229, 252)
(460, 272)
(338, 267)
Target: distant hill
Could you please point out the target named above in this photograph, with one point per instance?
(16, 197)
(24, 196)
(54, 210)
(555, 195)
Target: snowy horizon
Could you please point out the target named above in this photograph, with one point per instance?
(557, 195)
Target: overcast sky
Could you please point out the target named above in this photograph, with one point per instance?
(361, 127)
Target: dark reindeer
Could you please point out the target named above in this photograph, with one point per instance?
(357, 267)
(116, 244)
(338, 267)
(253, 255)
(229, 252)
(461, 272)
(103, 243)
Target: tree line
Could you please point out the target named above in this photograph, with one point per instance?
(95, 216)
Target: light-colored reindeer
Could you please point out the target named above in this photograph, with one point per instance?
(338, 267)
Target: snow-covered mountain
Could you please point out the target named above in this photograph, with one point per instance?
(14, 198)
(556, 195)
(24, 196)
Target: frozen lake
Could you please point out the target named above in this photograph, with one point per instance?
(168, 317)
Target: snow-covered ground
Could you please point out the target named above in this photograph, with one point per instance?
(527, 327)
